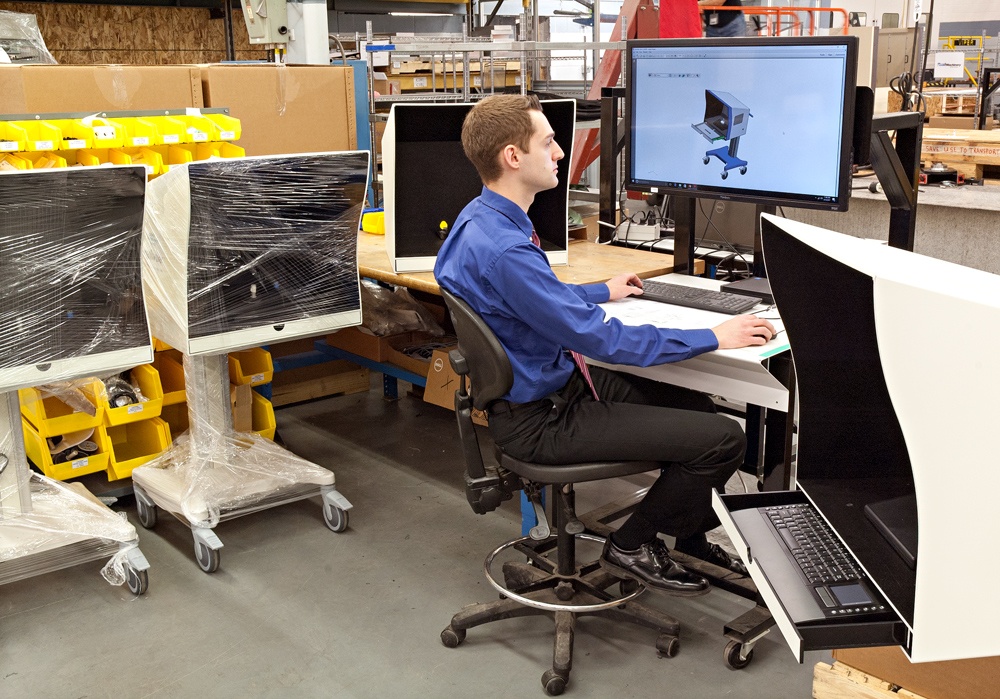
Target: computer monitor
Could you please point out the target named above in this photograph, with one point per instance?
(765, 120)
(71, 303)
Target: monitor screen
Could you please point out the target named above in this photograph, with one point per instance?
(764, 120)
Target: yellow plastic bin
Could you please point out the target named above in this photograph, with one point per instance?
(138, 132)
(171, 369)
(176, 416)
(10, 138)
(37, 450)
(200, 129)
(206, 151)
(92, 156)
(145, 156)
(37, 135)
(51, 417)
(169, 130)
(133, 444)
(252, 366)
(148, 379)
(262, 416)
(75, 134)
(10, 161)
(227, 128)
(43, 161)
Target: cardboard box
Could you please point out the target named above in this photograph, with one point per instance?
(66, 88)
(442, 382)
(952, 122)
(942, 680)
(362, 342)
(396, 356)
(242, 402)
(286, 109)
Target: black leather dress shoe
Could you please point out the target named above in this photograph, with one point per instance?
(720, 557)
(651, 564)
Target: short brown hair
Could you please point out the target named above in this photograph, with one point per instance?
(494, 123)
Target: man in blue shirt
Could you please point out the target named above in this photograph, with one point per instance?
(553, 414)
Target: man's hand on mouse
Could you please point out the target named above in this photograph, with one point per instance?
(743, 331)
(623, 285)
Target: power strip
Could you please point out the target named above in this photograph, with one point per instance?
(637, 232)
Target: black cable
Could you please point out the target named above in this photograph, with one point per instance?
(708, 222)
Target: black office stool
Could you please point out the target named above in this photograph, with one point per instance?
(562, 588)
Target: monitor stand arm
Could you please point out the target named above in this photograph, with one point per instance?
(898, 170)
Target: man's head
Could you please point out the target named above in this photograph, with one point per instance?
(507, 135)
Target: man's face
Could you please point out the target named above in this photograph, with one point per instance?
(539, 164)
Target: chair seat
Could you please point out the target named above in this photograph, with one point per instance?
(573, 473)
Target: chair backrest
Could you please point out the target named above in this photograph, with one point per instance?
(489, 368)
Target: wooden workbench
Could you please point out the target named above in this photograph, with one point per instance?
(588, 263)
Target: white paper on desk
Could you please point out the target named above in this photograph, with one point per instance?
(633, 311)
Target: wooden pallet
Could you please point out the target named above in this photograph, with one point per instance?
(839, 681)
(317, 381)
(968, 151)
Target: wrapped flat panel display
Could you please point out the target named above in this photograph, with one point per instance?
(71, 297)
(428, 180)
(242, 252)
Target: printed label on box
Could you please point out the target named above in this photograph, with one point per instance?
(477, 81)
(420, 82)
(140, 140)
(42, 145)
(171, 138)
(257, 378)
(8, 146)
(136, 408)
(75, 143)
(80, 463)
(198, 136)
(227, 135)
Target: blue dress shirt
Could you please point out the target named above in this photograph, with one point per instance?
(489, 261)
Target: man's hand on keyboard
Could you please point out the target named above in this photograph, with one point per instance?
(624, 285)
(743, 331)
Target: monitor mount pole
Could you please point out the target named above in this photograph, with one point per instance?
(898, 170)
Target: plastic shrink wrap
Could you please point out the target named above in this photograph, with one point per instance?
(20, 40)
(241, 252)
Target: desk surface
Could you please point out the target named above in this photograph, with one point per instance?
(588, 263)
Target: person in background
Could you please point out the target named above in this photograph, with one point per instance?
(559, 410)
(723, 23)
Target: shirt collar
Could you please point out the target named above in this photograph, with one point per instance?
(505, 206)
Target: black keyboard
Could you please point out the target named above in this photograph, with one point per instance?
(692, 297)
(819, 554)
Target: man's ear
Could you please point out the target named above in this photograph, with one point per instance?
(511, 156)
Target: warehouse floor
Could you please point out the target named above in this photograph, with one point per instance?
(298, 611)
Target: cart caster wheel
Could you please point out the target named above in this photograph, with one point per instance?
(147, 514)
(335, 518)
(137, 580)
(553, 683)
(208, 559)
(732, 656)
(627, 586)
(725, 174)
(667, 646)
(451, 638)
(743, 170)
(705, 160)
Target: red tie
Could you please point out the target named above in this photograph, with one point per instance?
(578, 359)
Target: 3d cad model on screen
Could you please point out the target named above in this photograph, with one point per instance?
(726, 119)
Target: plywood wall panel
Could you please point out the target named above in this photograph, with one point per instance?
(100, 34)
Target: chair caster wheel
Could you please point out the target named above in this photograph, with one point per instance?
(725, 174)
(451, 638)
(732, 655)
(667, 646)
(553, 682)
(705, 160)
(743, 170)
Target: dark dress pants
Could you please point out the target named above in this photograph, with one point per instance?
(636, 419)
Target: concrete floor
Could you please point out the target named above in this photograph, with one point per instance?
(298, 611)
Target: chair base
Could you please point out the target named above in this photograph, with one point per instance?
(586, 587)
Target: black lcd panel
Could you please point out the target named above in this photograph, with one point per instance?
(434, 180)
(69, 264)
(273, 240)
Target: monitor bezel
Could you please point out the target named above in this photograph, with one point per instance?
(842, 198)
